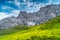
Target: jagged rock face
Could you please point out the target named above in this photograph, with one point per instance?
(9, 22)
(24, 15)
(42, 15)
(49, 11)
(25, 18)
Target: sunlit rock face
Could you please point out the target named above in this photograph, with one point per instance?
(24, 18)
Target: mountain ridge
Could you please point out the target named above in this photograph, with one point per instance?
(24, 18)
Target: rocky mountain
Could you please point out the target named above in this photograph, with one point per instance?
(9, 22)
(24, 18)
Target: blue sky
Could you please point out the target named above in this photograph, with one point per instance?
(10, 8)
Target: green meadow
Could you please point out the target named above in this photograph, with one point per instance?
(49, 30)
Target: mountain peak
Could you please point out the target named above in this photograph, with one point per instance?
(24, 18)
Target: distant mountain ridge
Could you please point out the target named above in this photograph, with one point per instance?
(24, 18)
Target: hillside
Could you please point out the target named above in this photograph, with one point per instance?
(46, 31)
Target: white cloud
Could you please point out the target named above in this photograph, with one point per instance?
(15, 12)
(24, 0)
(50, 1)
(34, 8)
(29, 4)
(9, 1)
(5, 15)
(17, 3)
(6, 7)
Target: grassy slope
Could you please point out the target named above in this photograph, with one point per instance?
(48, 30)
